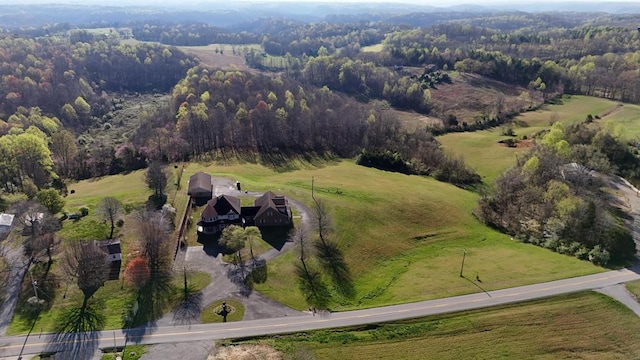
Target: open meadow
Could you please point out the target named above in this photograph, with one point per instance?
(483, 152)
(403, 236)
(584, 325)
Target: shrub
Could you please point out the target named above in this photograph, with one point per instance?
(599, 256)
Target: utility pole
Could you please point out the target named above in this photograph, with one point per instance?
(464, 254)
(34, 284)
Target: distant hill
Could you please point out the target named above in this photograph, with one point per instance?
(231, 14)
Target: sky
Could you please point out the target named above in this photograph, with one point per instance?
(223, 3)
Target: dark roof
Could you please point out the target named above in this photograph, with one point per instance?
(250, 211)
(273, 201)
(269, 198)
(222, 205)
(199, 181)
(111, 246)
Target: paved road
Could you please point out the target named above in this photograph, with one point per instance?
(18, 266)
(10, 346)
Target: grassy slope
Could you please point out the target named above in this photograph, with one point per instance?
(482, 151)
(403, 236)
(577, 326)
(634, 288)
(625, 120)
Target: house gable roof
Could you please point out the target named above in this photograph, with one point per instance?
(199, 182)
(271, 201)
(111, 246)
(221, 205)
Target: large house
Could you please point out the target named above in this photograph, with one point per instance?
(268, 210)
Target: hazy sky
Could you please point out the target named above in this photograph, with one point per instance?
(226, 3)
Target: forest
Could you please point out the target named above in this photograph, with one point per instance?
(331, 96)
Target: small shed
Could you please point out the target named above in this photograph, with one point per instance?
(114, 251)
(6, 220)
(200, 187)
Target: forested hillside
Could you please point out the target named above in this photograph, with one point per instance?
(321, 88)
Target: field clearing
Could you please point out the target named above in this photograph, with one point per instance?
(625, 121)
(469, 95)
(584, 325)
(482, 151)
(414, 121)
(403, 236)
(373, 48)
(227, 56)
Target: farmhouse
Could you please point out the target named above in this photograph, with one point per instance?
(219, 213)
(268, 210)
(200, 188)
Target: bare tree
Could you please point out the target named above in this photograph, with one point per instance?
(156, 178)
(89, 264)
(154, 241)
(34, 219)
(109, 209)
(322, 219)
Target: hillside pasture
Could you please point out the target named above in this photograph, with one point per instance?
(624, 121)
(223, 56)
(403, 236)
(483, 152)
(585, 325)
(468, 95)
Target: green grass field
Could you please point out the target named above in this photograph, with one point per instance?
(482, 151)
(403, 235)
(373, 48)
(625, 121)
(634, 288)
(585, 325)
(112, 299)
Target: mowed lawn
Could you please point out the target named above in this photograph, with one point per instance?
(482, 151)
(585, 325)
(403, 236)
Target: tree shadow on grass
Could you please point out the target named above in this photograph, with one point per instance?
(334, 264)
(149, 305)
(276, 236)
(76, 335)
(189, 308)
(258, 274)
